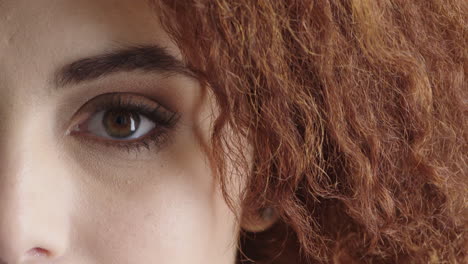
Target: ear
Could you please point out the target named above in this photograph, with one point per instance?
(259, 221)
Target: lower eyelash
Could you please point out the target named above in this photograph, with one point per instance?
(155, 139)
(164, 120)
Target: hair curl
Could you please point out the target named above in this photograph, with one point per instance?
(356, 111)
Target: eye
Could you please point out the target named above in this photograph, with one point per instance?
(120, 124)
(124, 120)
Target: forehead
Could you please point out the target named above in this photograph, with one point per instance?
(113, 16)
(38, 36)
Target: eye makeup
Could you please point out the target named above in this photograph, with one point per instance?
(138, 106)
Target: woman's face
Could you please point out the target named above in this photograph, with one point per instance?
(101, 133)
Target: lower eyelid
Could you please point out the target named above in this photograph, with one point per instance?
(152, 143)
(157, 137)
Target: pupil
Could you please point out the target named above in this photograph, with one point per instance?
(120, 123)
(120, 120)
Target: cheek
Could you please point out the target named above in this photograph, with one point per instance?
(172, 223)
(169, 211)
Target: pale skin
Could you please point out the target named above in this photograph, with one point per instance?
(66, 197)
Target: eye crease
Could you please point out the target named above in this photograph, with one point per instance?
(124, 120)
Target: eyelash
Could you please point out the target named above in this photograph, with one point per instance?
(163, 119)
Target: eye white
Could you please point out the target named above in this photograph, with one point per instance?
(96, 127)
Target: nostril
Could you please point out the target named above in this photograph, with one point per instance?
(38, 252)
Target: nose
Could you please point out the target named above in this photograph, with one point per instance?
(33, 203)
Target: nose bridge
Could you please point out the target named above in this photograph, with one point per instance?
(33, 197)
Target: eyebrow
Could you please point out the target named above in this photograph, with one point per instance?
(148, 58)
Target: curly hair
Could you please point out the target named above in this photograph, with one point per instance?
(356, 112)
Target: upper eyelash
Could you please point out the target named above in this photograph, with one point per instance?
(164, 119)
(120, 102)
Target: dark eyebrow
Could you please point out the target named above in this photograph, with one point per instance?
(145, 57)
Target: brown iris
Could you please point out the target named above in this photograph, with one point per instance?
(120, 123)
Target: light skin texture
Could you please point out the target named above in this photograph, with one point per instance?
(65, 198)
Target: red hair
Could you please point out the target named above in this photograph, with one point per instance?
(356, 111)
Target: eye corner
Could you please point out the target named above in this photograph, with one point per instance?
(87, 121)
(73, 129)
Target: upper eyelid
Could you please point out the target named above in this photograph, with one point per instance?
(157, 137)
(105, 101)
